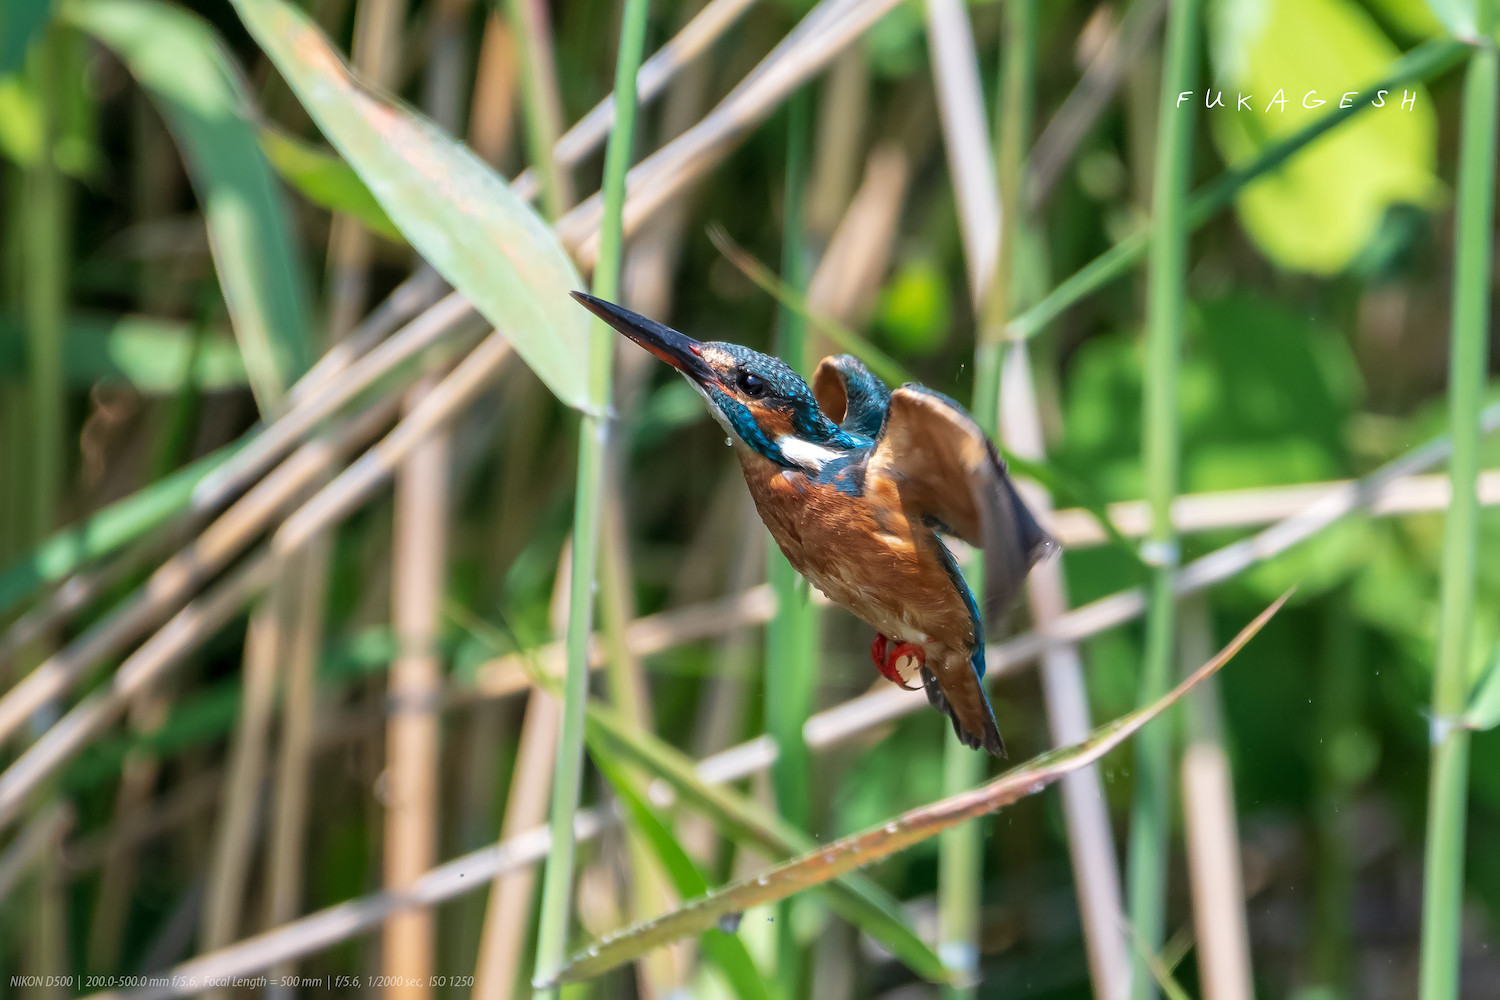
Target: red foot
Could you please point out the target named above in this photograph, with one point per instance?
(886, 661)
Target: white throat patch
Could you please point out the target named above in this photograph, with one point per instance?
(811, 457)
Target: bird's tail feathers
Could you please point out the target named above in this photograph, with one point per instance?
(960, 696)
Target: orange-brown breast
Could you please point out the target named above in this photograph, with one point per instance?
(863, 552)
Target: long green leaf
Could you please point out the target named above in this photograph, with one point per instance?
(1468, 361)
(724, 949)
(180, 61)
(153, 355)
(105, 532)
(856, 899)
(1484, 707)
(819, 865)
(326, 181)
(447, 202)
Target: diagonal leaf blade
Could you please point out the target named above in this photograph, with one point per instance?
(326, 181)
(447, 202)
(854, 898)
(723, 948)
(842, 857)
(1484, 708)
(177, 57)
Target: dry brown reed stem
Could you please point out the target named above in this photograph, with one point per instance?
(1091, 843)
(510, 902)
(1212, 834)
(238, 824)
(831, 726)
(180, 635)
(176, 579)
(138, 773)
(508, 910)
(31, 844)
(186, 630)
(971, 160)
(839, 144)
(308, 580)
(453, 315)
(410, 298)
(414, 295)
(356, 484)
(859, 252)
(826, 30)
(183, 800)
(418, 579)
(377, 59)
(592, 129)
(492, 116)
(70, 596)
(1068, 127)
(1075, 528)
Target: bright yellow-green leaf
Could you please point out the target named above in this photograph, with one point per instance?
(456, 211)
(326, 181)
(1284, 56)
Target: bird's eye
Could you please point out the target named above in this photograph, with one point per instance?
(751, 385)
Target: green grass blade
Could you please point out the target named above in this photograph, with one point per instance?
(1484, 707)
(448, 203)
(1161, 447)
(1448, 787)
(107, 531)
(830, 861)
(180, 61)
(326, 181)
(856, 899)
(557, 884)
(724, 949)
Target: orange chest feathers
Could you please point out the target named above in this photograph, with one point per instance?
(854, 541)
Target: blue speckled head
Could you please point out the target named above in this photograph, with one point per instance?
(757, 397)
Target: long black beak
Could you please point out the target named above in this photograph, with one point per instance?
(676, 349)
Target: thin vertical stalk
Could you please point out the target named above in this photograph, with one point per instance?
(307, 582)
(791, 636)
(43, 210)
(508, 910)
(1340, 693)
(552, 933)
(1213, 843)
(1165, 310)
(1091, 843)
(543, 118)
(418, 569)
(377, 57)
(238, 822)
(1442, 895)
(971, 163)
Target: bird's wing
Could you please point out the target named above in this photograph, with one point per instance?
(850, 394)
(947, 471)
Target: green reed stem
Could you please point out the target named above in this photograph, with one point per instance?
(1165, 311)
(557, 884)
(791, 675)
(44, 219)
(1442, 896)
(543, 117)
(1424, 62)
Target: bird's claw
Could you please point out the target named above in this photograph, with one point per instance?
(888, 661)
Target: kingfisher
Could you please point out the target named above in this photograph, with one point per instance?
(858, 485)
